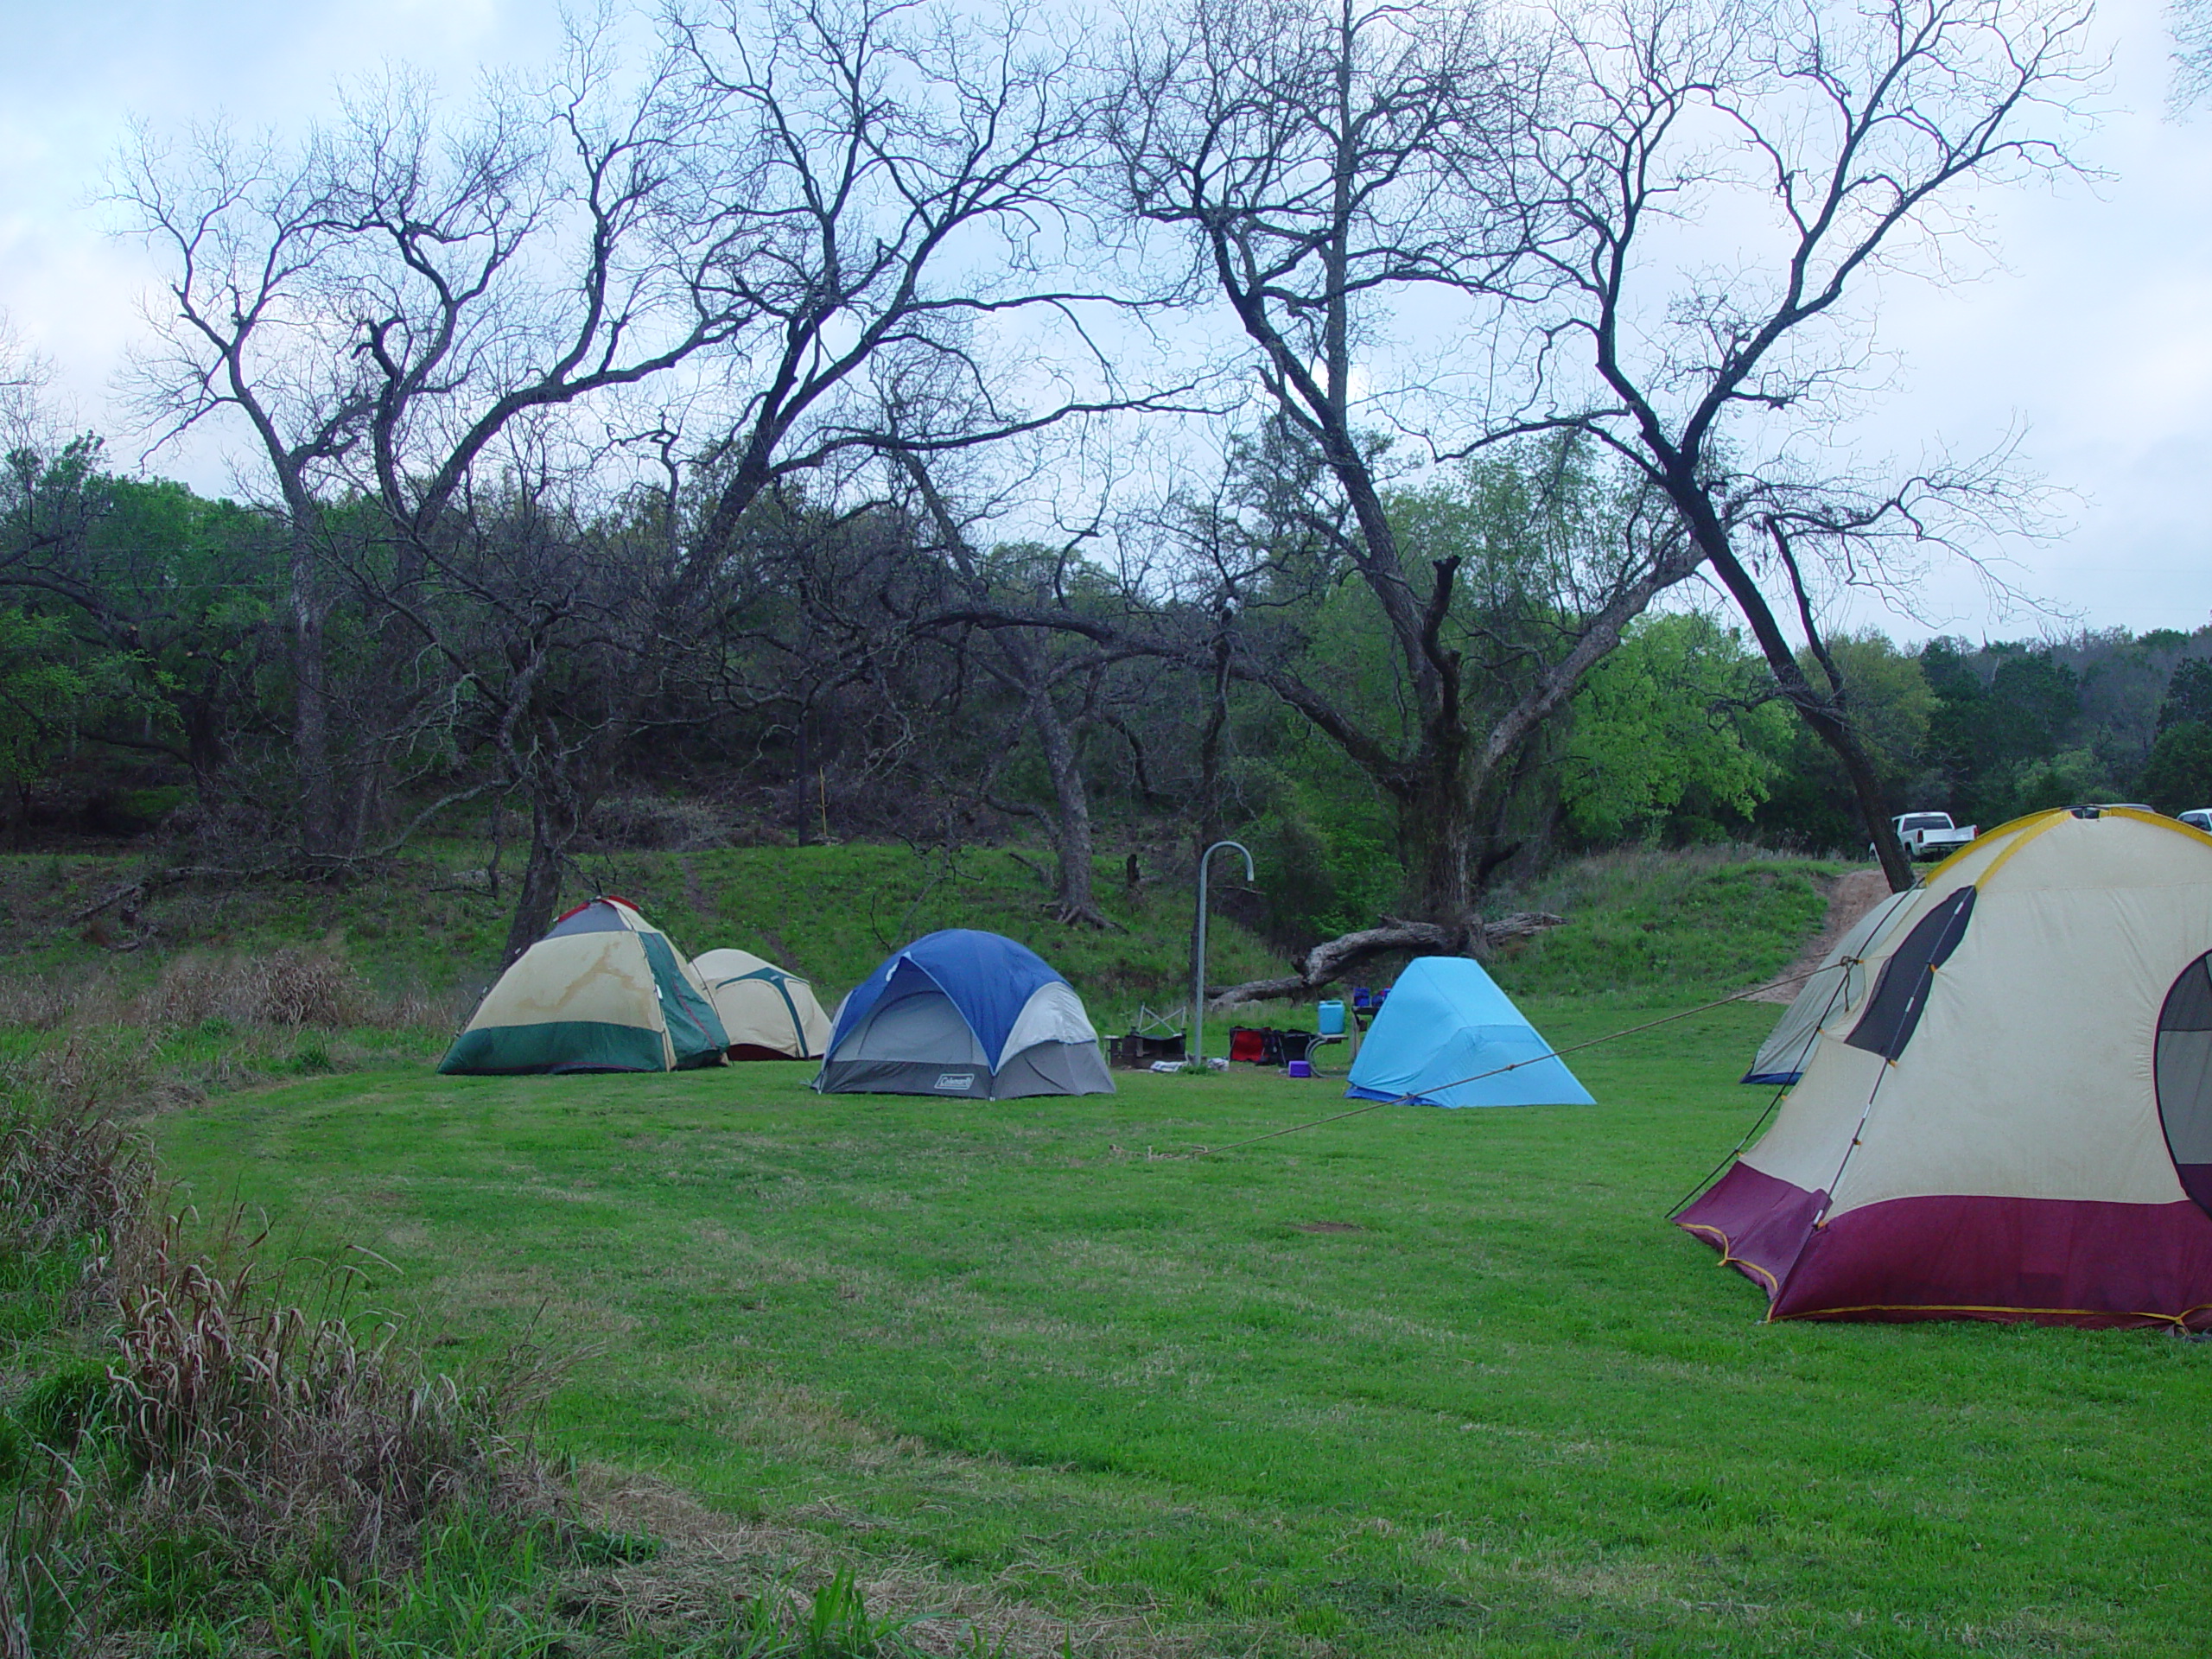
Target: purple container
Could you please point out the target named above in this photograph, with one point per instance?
(1302, 1068)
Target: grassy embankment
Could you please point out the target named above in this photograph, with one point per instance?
(430, 936)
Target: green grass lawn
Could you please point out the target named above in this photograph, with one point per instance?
(1421, 1382)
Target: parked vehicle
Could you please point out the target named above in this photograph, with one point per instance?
(2197, 817)
(1932, 834)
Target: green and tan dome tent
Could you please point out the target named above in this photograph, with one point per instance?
(768, 1014)
(603, 991)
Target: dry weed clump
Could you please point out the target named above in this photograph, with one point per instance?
(40, 1004)
(296, 986)
(299, 1438)
(648, 823)
(70, 1175)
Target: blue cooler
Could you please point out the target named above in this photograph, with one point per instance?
(1331, 1018)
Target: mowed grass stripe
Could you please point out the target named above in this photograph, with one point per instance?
(1498, 1406)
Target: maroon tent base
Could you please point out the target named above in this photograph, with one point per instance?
(2054, 1262)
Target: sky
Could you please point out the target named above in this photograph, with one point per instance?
(2092, 338)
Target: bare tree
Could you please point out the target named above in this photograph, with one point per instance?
(1324, 164)
(1027, 663)
(1821, 144)
(896, 180)
(2192, 28)
(381, 303)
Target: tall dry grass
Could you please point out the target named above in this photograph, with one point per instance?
(247, 1399)
(292, 1430)
(294, 987)
(71, 1178)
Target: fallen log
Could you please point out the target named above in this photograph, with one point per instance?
(147, 885)
(1333, 959)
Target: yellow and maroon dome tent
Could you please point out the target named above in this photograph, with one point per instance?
(2015, 1121)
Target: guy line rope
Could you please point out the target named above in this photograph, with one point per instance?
(1553, 1054)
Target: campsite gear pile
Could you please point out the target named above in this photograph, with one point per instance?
(1142, 1051)
(1267, 1046)
(2003, 1100)
(1155, 1040)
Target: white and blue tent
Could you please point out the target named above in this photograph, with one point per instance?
(1448, 1037)
(967, 1013)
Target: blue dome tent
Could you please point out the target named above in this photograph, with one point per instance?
(1445, 1038)
(967, 1013)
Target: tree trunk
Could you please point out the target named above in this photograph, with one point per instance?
(1825, 716)
(205, 751)
(1071, 840)
(1436, 864)
(1436, 825)
(310, 705)
(1826, 722)
(552, 826)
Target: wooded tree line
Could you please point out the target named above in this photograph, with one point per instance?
(884, 420)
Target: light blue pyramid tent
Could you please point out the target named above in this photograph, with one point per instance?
(1447, 1037)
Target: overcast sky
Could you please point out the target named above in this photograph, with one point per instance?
(2095, 337)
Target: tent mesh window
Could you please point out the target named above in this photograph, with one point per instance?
(593, 917)
(2184, 1079)
(1901, 993)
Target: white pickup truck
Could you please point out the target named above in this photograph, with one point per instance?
(1931, 835)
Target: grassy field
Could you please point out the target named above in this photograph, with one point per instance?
(1416, 1383)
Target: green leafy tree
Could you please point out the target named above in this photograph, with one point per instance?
(1671, 720)
(2178, 775)
(2189, 696)
(43, 691)
(1987, 737)
(1893, 704)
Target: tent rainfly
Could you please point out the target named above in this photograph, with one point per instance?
(768, 1014)
(966, 1014)
(2015, 1122)
(1447, 1036)
(603, 991)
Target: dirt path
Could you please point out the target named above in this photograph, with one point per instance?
(1850, 897)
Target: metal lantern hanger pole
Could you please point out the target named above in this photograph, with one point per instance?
(1199, 968)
